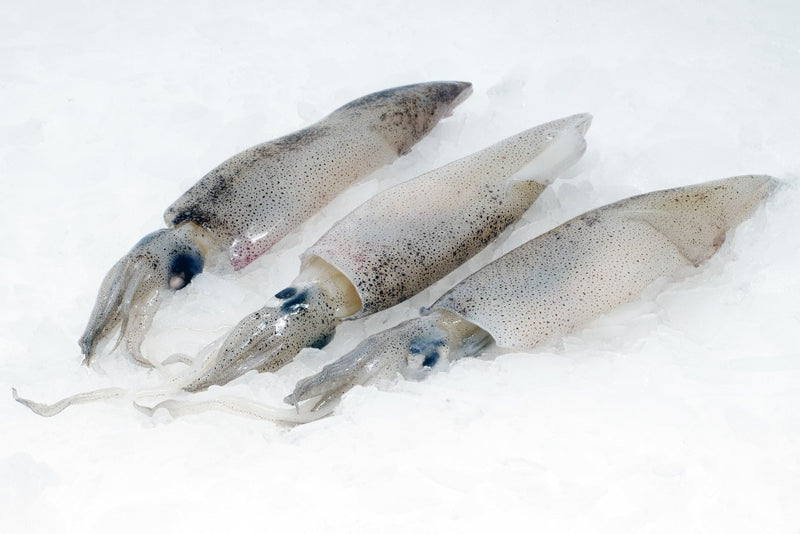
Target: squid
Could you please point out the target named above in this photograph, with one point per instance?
(398, 243)
(385, 251)
(249, 202)
(547, 287)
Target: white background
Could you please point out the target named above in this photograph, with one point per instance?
(677, 413)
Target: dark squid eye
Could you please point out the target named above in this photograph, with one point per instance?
(431, 358)
(428, 348)
(289, 292)
(183, 267)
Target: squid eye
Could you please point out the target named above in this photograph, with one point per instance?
(425, 352)
(430, 359)
(286, 293)
(183, 268)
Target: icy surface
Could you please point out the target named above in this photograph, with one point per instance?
(677, 413)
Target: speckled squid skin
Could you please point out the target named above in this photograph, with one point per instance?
(406, 238)
(398, 243)
(551, 284)
(258, 196)
(602, 259)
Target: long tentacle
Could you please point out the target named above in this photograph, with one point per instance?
(49, 410)
(238, 406)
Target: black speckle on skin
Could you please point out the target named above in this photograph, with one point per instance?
(436, 92)
(253, 199)
(298, 140)
(221, 184)
(591, 219)
(321, 341)
(195, 215)
(148, 238)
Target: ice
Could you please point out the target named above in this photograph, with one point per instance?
(675, 413)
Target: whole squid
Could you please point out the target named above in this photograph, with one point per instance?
(398, 243)
(252, 200)
(550, 285)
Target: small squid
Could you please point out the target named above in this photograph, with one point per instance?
(550, 285)
(252, 200)
(398, 243)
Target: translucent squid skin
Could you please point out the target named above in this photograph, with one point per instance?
(258, 196)
(405, 239)
(554, 283)
(411, 349)
(398, 243)
(166, 259)
(252, 200)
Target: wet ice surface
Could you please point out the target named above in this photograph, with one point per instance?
(678, 412)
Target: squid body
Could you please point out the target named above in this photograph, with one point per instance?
(398, 243)
(551, 284)
(255, 198)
